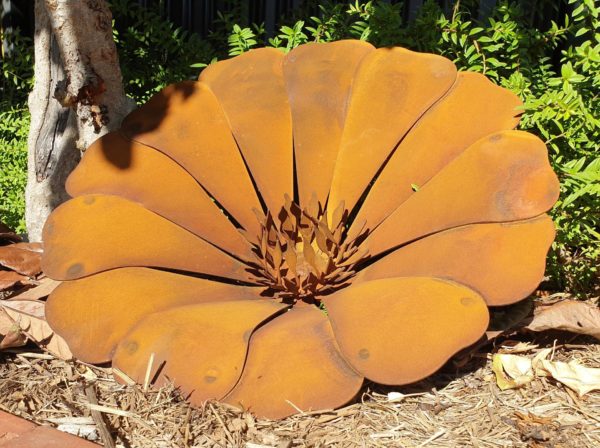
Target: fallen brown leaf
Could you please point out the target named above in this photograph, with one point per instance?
(6, 323)
(29, 316)
(569, 315)
(33, 247)
(21, 258)
(10, 333)
(43, 289)
(7, 235)
(536, 429)
(8, 279)
(579, 378)
(13, 339)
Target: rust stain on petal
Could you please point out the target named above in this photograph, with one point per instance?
(506, 178)
(438, 137)
(412, 82)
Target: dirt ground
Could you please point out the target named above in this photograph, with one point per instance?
(460, 406)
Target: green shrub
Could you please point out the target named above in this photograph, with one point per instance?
(16, 81)
(14, 126)
(153, 52)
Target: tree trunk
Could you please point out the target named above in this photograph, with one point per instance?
(77, 97)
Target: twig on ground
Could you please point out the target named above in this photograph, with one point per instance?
(105, 434)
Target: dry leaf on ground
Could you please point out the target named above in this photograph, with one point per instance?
(513, 371)
(7, 235)
(43, 289)
(24, 258)
(8, 279)
(514, 347)
(535, 429)
(10, 333)
(29, 316)
(579, 378)
(569, 315)
(19, 262)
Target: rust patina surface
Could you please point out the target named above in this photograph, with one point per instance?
(290, 225)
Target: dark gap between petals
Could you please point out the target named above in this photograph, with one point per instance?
(363, 196)
(267, 320)
(296, 192)
(368, 262)
(263, 205)
(213, 278)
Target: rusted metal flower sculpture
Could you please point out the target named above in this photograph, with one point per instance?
(292, 224)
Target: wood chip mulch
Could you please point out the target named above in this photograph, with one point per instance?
(455, 408)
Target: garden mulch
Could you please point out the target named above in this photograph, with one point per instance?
(460, 406)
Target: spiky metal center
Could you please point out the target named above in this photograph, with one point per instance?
(300, 256)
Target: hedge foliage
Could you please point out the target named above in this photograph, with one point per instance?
(555, 70)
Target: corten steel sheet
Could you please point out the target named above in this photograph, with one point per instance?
(186, 122)
(305, 368)
(117, 166)
(107, 232)
(202, 348)
(112, 302)
(318, 80)
(502, 177)
(480, 256)
(473, 108)
(252, 93)
(409, 327)
(392, 88)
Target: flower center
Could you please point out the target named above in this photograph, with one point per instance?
(300, 256)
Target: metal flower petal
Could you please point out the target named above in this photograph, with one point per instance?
(398, 330)
(288, 225)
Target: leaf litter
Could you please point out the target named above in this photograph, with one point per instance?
(22, 318)
(568, 315)
(20, 262)
(514, 371)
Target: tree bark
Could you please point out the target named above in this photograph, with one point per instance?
(77, 97)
